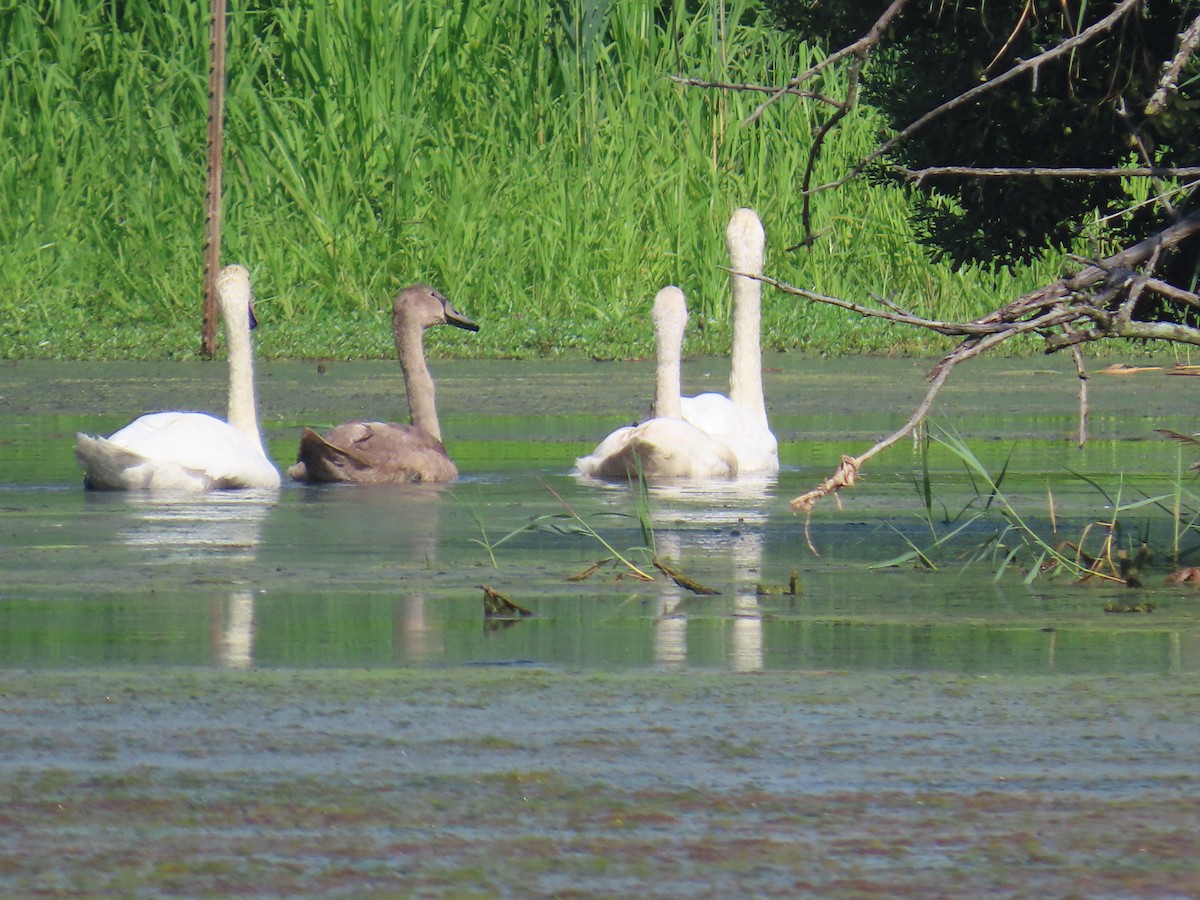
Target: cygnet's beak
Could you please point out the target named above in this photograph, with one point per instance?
(454, 317)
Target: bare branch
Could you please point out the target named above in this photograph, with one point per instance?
(1168, 84)
(753, 89)
(1063, 314)
(1139, 252)
(862, 46)
(894, 314)
(859, 52)
(818, 144)
(1044, 172)
(1069, 45)
(1171, 292)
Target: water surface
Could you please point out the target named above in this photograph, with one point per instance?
(352, 576)
(298, 694)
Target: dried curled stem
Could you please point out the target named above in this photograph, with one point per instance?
(1098, 302)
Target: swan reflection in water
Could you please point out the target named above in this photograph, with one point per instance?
(745, 652)
(223, 526)
(360, 523)
(213, 529)
(713, 519)
(233, 631)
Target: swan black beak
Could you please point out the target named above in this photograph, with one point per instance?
(253, 318)
(454, 317)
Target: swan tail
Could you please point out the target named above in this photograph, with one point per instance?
(662, 447)
(110, 467)
(104, 464)
(655, 457)
(729, 460)
(319, 460)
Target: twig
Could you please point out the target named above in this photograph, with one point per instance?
(1044, 172)
(1060, 313)
(1077, 355)
(1168, 84)
(752, 88)
(1123, 8)
(847, 472)
(862, 46)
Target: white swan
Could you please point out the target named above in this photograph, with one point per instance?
(740, 420)
(188, 451)
(388, 452)
(665, 446)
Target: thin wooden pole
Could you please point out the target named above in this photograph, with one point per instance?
(212, 211)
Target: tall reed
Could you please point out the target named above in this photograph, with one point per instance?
(535, 160)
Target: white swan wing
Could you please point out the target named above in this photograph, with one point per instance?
(662, 447)
(176, 451)
(755, 446)
(674, 448)
(607, 450)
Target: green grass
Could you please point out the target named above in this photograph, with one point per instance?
(540, 167)
(1112, 545)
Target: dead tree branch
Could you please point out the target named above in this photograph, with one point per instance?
(860, 48)
(1121, 296)
(1122, 9)
(919, 175)
(1189, 42)
(754, 89)
(1100, 301)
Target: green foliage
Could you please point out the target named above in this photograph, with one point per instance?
(570, 522)
(996, 532)
(534, 160)
(1083, 109)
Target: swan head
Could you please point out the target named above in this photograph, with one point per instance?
(746, 241)
(670, 311)
(234, 295)
(426, 306)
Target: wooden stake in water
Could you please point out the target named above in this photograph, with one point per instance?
(212, 211)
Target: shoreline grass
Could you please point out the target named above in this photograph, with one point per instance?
(534, 161)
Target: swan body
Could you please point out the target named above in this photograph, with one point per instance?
(189, 451)
(752, 442)
(740, 420)
(372, 453)
(662, 447)
(666, 445)
(387, 452)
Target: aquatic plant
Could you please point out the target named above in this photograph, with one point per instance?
(586, 529)
(1185, 506)
(1107, 548)
(569, 522)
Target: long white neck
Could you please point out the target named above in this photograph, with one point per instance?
(670, 319)
(747, 244)
(234, 288)
(418, 383)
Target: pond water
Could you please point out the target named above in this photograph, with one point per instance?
(353, 576)
(298, 693)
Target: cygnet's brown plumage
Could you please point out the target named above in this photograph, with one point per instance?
(385, 452)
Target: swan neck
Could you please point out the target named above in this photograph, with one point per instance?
(668, 339)
(745, 377)
(746, 243)
(243, 405)
(418, 383)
